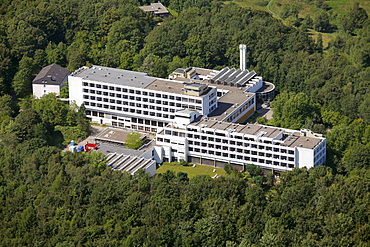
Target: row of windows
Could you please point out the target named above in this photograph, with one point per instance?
(115, 101)
(137, 92)
(132, 120)
(136, 127)
(119, 102)
(239, 111)
(131, 110)
(239, 150)
(194, 137)
(241, 157)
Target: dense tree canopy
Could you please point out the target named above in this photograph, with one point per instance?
(50, 198)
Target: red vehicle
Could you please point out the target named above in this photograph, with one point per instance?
(90, 146)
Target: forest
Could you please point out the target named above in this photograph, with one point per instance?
(54, 198)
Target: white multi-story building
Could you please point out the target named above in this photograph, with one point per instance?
(195, 114)
(216, 143)
(135, 100)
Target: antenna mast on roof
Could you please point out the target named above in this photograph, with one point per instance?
(243, 57)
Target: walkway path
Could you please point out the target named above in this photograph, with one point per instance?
(269, 9)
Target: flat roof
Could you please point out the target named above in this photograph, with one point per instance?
(114, 135)
(115, 76)
(170, 86)
(157, 8)
(108, 149)
(267, 87)
(295, 138)
(234, 97)
(205, 72)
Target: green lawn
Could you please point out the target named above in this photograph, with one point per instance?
(190, 170)
(338, 6)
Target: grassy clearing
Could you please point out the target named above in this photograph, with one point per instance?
(338, 6)
(172, 12)
(190, 170)
(326, 37)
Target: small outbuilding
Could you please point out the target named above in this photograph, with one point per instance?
(51, 79)
(157, 9)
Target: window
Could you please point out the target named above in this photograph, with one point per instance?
(105, 87)
(118, 89)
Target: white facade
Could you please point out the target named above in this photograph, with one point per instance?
(113, 102)
(51, 79)
(195, 121)
(243, 57)
(265, 146)
(40, 90)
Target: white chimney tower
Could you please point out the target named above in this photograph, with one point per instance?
(243, 57)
